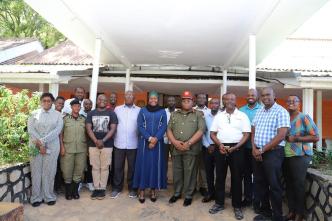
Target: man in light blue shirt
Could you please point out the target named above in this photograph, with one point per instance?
(125, 145)
(269, 129)
(209, 149)
(250, 110)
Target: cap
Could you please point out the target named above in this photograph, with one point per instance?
(75, 101)
(187, 95)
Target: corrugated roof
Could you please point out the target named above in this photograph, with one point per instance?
(65, 53)
(6, 43)
(301, 55)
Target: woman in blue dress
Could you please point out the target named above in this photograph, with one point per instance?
(150, 167)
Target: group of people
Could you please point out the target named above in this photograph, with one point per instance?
(259, 142)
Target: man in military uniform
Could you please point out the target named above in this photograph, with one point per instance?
(185, 130)
(73, 150)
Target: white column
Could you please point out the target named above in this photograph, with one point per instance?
(54, 87)
(221, 94)
(41, 87)
(95, 73)
(252, 62)
(319, 111)
(131, 86)
(127, 87)
(224, 81)
(308, 102)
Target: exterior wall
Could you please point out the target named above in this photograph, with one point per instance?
(15, 183)
(319, 196)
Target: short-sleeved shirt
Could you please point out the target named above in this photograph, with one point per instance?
(267, 122)
(209, 117)
(301, 125)
(184, 124)
(230, 127)
(250, 112)
(101, 124)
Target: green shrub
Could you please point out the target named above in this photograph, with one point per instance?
(14, 112)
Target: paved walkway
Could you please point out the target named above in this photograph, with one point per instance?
(126, 209)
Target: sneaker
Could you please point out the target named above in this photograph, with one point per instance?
(101, 195)
(91, 187)
(238, 213)
(114, 194)
(132, 194)
(216, 208)
(94, 194)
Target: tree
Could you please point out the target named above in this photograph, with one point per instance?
(19, 20)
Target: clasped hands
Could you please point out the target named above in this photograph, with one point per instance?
(40, 146)
(181, 145)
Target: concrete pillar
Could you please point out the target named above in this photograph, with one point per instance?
(252, 62)
(54, 89)
(224, 81)
(308, 102)
(41, 87)
(95, 73)
(319, 111)
(127, 86)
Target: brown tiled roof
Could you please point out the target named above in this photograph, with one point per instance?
(19, 58)
(65, 53)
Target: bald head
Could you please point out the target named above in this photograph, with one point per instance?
(252, 97)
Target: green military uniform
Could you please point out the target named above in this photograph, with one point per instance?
(184, 124)
(74, 138)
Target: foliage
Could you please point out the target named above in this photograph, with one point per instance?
(14, 112)
(18, 20)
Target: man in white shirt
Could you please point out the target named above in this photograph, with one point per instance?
(79, 93)
(229, 131)
(201, 101)
(171, 102)
(125, 145)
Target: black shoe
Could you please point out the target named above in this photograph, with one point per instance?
(238, 213)
(246, 203)
(153, 199)
(141, 200)
(207, 199)
(216, 208)
(257, 207)
(68, 191)
(74, 190)
(101, 195)
(95, 194)
(187, 202)
(36, 204)
(261, 218)
(173, 199)
(203, 191)
(51, 203)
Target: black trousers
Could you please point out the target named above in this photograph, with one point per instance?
(88, 172)
(295, 171)
(210, 165)
(235, 163)
(120, 156)
(268, 181)
(248, 179)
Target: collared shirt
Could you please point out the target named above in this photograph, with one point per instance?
(168, 114)
(204, 109)
(67, 107)
(302, 125)
(250, 112)
(230, 127)
(267, 123)
(126, 136)
(184, 124)
(208, 116)
(45, 126)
